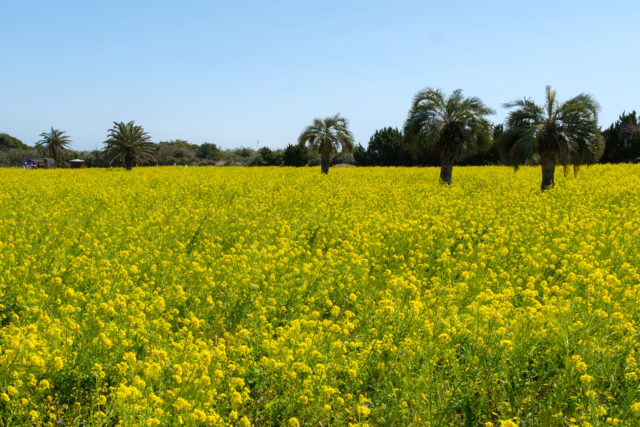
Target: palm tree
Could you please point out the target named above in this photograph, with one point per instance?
(128, 143)
(565, 133)
(54, 144)
(453, 127)
(326, 136)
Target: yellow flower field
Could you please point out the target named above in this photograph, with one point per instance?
(277, 296)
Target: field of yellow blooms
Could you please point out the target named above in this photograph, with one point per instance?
(277, 296)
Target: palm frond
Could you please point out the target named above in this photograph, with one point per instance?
(128, 143)
(583, 101)
(327, 135)
(520, 144)
(453, 126)
(550, 100)
(566, 130)
(54, 144)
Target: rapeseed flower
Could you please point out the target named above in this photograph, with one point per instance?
(229, 296)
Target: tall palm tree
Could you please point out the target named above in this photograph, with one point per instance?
(326, 136)
(565, 133)
(54, 144)
(454, 127)
(128, 143)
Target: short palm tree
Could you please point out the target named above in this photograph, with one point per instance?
(326, 136)
(54, 144)
(565, 133)
(128, 143)
(453, 127)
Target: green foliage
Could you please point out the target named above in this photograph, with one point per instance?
(343, 158)
(491, 157)
(176, 152)
(268, 157)
(361, 156)
(209, 151)
(327, 136)
(244, 152)
(239, 157)
(568, 131)
(17, 156)
(622, 140)
(314, 158)
(386, 148)
(8, 142)
(295, 155)
(129, 144)
(185, 144)
(454, 127)
(54, 144)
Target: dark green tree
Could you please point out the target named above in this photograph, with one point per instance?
(326, 136)
(244, 152)
(387, 149)
(622, 140)
(176, 152)
(342, 158)
(128, 143)
(361, 156)
(209, 151)
(491, 156)
(454, 127)
(17, 156)
(267, 157)
(556, 132)
(54, 144)
(7, 142)
(295, 155)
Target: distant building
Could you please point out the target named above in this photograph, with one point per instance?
(40, 163)
(76, 164)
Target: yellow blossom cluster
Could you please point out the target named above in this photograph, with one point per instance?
(278, 296)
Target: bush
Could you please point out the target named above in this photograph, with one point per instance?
(243, 152)
(176, 152)
(386, 148)
(343, 158)
(622, 140)
(209, 151)
(8, 142)
(314, 158)
(269, 157)
(360, 156)
(17, 156)
(295, 155)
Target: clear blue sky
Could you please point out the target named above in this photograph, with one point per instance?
(237, 72)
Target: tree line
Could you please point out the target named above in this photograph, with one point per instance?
(440, 130)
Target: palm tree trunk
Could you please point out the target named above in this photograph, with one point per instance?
(128, 164)
(324, 162)
(54, 155)
(58, 158)
(548, 170)
(446, 169)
